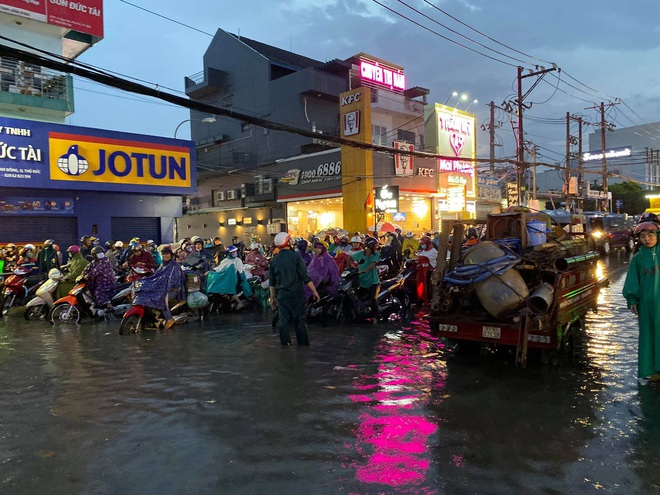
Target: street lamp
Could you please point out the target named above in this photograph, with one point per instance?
(473, 101)
(453, 95)
(207, 120)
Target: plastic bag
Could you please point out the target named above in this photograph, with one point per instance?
(197, 300)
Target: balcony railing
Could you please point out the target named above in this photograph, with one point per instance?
(22, 78)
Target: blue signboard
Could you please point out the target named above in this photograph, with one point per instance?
(54, 156)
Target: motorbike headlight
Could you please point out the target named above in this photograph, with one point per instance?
(597, 234)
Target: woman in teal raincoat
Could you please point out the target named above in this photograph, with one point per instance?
(642, 291)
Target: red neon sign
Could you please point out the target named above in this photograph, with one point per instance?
(385, 76)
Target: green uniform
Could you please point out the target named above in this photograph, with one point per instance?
(288, 273)
(642, 287)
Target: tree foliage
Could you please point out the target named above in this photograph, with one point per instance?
(631, 195)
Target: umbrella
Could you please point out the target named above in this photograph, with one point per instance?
(385, 227)
(332, 231)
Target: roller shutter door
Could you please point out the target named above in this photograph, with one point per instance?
(27, 228)
(125, 228)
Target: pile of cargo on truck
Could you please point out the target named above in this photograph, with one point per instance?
(528, 284)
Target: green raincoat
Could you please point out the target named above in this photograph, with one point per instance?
(77, 265)
(642, 287)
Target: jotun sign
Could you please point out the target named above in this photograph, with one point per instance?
(52, 156)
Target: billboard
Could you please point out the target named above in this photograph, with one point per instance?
(84, 16)
(52, 156)
(452, 133)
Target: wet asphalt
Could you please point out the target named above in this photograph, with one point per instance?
(221, 407)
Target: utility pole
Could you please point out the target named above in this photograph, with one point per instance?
(521, 134)
(490, 127)
(567, 168)
(572, 141)
(580, 190)
(604, 126)
(534, 176)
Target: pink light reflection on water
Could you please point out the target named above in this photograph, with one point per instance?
(393, 436)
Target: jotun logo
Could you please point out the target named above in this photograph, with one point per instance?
(102, 160)
(71, 163)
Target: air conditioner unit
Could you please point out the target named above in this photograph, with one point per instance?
(218, 196)
(233, 194)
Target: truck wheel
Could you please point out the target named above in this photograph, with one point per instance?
(630, 245)
(606, 248)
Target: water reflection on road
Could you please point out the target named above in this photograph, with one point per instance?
(223, 408)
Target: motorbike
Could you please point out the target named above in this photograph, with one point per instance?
(140, 317)
(80, 302)
(351, 303)
(39, 306)
(222, 286)
(20, 287)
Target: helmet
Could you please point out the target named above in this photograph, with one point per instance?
(11, 245)
(109, 244)
(134, 245)
(302, 244)
(119, 244)
(282, 239)
(254, 245)
(96, 250)
(48, 242)
(232, 249)
(234, 238)
(648, 226)
(409, 235)
(343, 238)
(84, 238)
(57, 248)
(371, 243)
(195, 239)
(29, 247)
(426, 239)
(135, 239)
(166, 248)
(321, 243)
(73, 249)
(356, 238)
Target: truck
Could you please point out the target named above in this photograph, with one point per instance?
(527, 286)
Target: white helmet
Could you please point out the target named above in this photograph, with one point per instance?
(195, 239)
(282, 239)
(356, 238)
(29, 247)
(119, 244)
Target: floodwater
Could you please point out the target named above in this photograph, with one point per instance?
(221, 407)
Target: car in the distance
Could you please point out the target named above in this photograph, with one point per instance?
(609, 231)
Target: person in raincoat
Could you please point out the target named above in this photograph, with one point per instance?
(101, 278)
(288, 274)
(323, 271)
(256, 259)
(642, 290)
(168, 283)
(410, 246)
(226, 277)
(47, 257)
(75, 268)
(304, 252)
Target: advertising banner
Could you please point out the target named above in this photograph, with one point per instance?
(53, 156)
(85, 16)
(44, 205)
(452, 133)
(403, 164)
(308, 176)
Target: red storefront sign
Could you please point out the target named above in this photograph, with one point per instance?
(85, 16)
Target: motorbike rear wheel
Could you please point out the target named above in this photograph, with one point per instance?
(132, 324)
(36, 312)
(6, 303)
(64, 313)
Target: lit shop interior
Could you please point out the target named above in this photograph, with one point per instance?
(313, 216)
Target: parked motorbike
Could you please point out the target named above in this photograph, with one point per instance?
(352, 302)
(39, 306)
(80, 302)
(20, 288)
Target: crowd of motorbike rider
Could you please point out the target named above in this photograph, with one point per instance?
(104, 266)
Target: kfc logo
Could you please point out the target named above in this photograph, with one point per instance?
(351, 123)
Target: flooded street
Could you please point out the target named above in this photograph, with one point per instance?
(221, 407)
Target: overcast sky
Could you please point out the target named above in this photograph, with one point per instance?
(607, 49)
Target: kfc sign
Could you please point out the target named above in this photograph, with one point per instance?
(403, 164)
